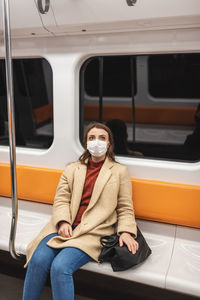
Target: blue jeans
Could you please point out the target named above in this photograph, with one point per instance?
(61, 263)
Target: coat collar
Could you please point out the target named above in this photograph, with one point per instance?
(79, 180)
(102, 179)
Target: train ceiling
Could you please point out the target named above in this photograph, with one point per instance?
(96, 16)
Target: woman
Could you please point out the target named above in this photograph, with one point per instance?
(93, 199)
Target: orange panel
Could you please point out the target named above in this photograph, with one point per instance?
(167, 202)
(36, 184)
(146, 115)
(43, 113)
(153, 200)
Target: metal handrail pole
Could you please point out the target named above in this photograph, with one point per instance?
(101, 65)
(11, 123)
(132, 96)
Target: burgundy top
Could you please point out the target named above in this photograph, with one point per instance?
(93, 170)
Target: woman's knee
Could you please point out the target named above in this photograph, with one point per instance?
(39, 261)
(43, 255)
(58, 268)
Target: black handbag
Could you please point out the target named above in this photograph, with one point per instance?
(120, 257)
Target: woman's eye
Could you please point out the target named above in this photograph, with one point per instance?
(102, 138)
(91, 138)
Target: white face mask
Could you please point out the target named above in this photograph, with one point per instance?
(97, 148)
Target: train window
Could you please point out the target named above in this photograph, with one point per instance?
(180, 78)
(116, 76)
(150, 102)
(33, 97)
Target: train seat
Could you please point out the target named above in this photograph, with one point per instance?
(160, 238)
(174, 263)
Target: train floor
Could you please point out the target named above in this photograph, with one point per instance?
(11, 288)
(88, 285)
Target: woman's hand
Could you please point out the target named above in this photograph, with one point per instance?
(65, 229)
(126, 238)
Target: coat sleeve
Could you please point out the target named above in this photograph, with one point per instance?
(62, 200)
(125, 212)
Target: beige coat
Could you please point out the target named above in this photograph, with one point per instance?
(110, 208)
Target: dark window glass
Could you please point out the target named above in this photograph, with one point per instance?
(174, 76)
(116, 76)
(33, 97)
(92, 70)
(142, 127)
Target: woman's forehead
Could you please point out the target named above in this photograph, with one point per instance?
(97, 131)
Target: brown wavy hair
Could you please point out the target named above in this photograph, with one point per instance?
(86, 154)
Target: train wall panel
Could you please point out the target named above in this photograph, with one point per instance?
(153, 200)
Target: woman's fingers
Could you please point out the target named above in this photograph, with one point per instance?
(131, 247)
(70, 230)
(131, 244)
(134, 247)
(137, 245)
(65, 230)
(120, 242)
